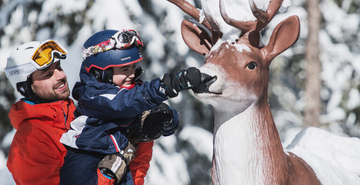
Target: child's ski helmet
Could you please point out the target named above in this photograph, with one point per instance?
(110, 48)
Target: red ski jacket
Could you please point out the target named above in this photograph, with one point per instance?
(141, 163)
(36, 154)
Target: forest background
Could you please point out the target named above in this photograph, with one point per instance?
(325, 60)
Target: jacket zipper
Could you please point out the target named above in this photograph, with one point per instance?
(65, 114)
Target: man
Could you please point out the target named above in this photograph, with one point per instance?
(42, 116)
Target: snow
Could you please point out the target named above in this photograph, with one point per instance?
(334, 159)
(325, 152)
(174, 170)
(354, 97)
(5, 175)
(241, 47)
(202, 140)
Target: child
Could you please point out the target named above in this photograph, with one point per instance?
(115, 110)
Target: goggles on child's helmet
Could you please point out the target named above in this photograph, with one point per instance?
(30, 57)
(111, 48)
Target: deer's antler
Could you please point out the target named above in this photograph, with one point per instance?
(263, 18)
(215, 31)
(209, 23)
(190, 10)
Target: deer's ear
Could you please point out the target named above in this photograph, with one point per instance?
(284, 35)
(195, 37)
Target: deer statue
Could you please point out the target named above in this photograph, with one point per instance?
(247, 147)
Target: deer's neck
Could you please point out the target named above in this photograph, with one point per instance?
(247, 148)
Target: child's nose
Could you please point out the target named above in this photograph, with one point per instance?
(131, 73)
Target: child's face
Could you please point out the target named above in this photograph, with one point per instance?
(124, 75)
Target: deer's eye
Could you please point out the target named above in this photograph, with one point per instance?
(251, 65)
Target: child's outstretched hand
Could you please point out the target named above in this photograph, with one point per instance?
(183, 80)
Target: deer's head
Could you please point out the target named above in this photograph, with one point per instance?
(241, 66)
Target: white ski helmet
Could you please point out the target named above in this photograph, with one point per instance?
(30, 57)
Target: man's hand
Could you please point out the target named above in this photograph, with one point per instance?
(115, 165)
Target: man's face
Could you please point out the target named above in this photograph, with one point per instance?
(51, 84)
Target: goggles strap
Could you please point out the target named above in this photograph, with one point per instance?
(113, 42)
(27, 68)
(98, 48)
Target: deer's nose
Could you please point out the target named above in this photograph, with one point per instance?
(206, 81)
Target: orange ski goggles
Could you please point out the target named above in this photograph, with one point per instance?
(45, 54)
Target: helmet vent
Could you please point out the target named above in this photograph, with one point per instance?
(29, 48)
(126, 58)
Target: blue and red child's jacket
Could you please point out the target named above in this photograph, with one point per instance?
(105, 112)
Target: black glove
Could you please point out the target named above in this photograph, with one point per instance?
(154, 123)
(138, 72)
(171, 125)
(115, 165)
(183, 80)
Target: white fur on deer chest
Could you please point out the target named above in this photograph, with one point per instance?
(236, 151)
